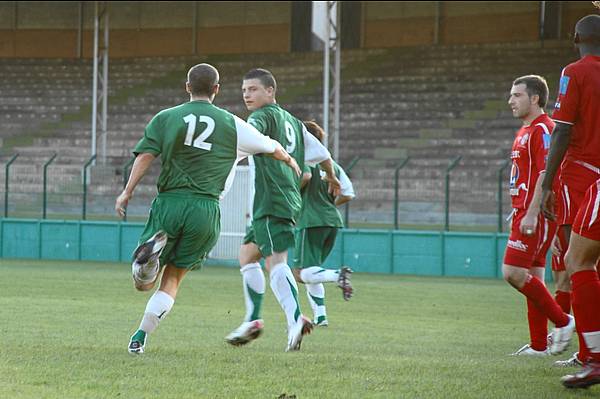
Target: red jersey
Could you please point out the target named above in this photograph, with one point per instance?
(578, 104)
(529, 153)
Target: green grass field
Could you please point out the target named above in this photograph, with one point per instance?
(65, 327)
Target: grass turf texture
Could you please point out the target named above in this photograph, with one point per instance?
(65, 329)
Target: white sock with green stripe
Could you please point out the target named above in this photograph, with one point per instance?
(285, 289)
(316, 275)
(253, 280)
(158, 307)
(316, 298)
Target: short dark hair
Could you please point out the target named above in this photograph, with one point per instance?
(534, 85)
(316, 130)
(202, 78)
(266, 77)
(587, 30)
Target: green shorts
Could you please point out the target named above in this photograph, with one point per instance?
(313, 246)
(271, 234)
(192, 224)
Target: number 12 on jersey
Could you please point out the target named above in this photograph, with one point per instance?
(200, 141)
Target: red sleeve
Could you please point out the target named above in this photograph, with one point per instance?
(567, 103)
(537, 150)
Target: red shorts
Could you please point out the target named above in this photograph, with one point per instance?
(558, 262)
(587, 223)
(575, 179)
(525, 251)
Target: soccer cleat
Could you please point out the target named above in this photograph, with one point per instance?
(302, 327)
(151, 248)
(573, 361)
(321, 321)
(588, 376)
(561, 337)
(137, 342)
(527, 350)
(246, 332)
(344, 282)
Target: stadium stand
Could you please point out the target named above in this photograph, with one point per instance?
(432, 103)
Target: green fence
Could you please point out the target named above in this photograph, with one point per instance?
(372, 251)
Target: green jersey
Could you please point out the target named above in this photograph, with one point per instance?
(199, 145)
(276, 187)
(318, 206)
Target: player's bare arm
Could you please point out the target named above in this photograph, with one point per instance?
(139, 169)
(529, 222)
(561, 136)
(306, 176)
(281, 154)
(334, 183)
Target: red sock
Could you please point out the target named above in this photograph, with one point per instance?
(535, 290)
(563, 298)
(538, 327)
(586, 297)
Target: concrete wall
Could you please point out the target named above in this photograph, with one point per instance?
(50, 29)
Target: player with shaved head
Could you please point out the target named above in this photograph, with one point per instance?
(575, 148)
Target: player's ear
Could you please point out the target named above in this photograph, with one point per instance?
(216, 89)
(535, 99)
(188, 89)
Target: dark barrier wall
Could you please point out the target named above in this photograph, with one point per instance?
(370, 251)
(161, 28)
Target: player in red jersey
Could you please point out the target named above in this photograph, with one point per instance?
(524, 261)
(576, 138)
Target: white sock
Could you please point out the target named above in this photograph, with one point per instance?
(253, 281)
(316, 275)
(285, 289)
(157, 308)
(145, 273)
(316, 298)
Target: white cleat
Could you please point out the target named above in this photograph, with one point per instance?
(246, 332)
(302, 327)
(527, 350)
(561, 337)
(573, 361)
(146, 265)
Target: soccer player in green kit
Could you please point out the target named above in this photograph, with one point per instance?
(277, 203)
(200, 145)
(317, 226)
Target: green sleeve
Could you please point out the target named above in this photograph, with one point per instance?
(152, 140)
(259, 121)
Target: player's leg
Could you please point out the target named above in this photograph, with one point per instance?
(581, 260)
(158, 306)
(275, 236)
(146, 264)
(253, 286)
(306, 255)
(318, 243)
(559, 272)
(520, 255)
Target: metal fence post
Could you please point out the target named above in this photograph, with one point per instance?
(6, 171)
(396, 179)
(347, 210)
(45, 198)
(125, 178)
(452, 165)
(499, 196)
(85, 167)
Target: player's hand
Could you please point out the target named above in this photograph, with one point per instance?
(528, 224)
(335, 187)
(547, 205)
(555, 248)
(121, 203)
(294, 165)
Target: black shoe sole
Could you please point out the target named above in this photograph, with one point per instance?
(143, 253)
